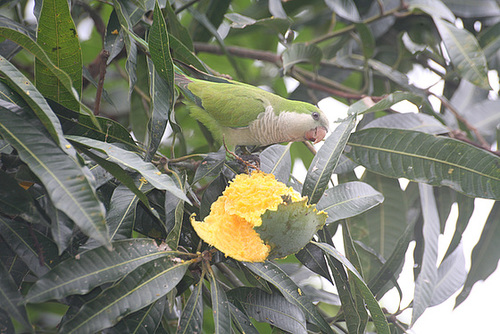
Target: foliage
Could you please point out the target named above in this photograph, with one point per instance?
(101, 165)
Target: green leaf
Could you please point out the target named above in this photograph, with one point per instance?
(121, 214)
(141, 287)
(57, 36)
(434, 8)
(92, 268)
(161, 107)
(220, 307)
(242, 321)
(15, 201)
(279, 25)
(409, 121)
(127, 23)
(276, 160)
(290, 227)
(174, 212)
(361, 107)
(133, 161)
(485, 254)
(301, 53)
(367, 39)
(426, 158)
(426, 281)
(20, 84)
(144, 321)
(324, 162)
(348, 199)
(28, 244)
(312, 257)
(345, 9)
(66, 182)
(271, 308)
(177, 29)
(12, 299)
(451, 276)
(376, 312)
(210, 166)
(31, 46)
(393, 264)
(292, 293)
(465, 53)
(191, 319)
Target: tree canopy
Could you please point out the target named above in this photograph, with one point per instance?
(103, 169)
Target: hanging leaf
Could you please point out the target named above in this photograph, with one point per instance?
(324, 162)
(465, 53)
(57, 36)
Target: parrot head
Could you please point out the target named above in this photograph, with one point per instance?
(307, 122)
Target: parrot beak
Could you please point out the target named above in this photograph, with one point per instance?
(316, 135)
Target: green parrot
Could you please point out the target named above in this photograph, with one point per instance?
(240, 114)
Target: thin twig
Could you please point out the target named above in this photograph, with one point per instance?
(104, 55)
(450, 107)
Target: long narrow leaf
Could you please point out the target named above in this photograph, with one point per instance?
(93, 268)
(426, 158)
(426, 281)
(133, 161)
(376, 312)
(66, 182)
(141, 287)
(191, 319)
(11, 298)
(323, 164)
(58, 38)
(220, 307)
(276, 276)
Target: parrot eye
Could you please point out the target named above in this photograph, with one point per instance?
(315, 115)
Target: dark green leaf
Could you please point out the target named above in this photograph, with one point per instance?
(426, 158)
(210, 166)
(324, 162)
(271, 308)
(409, 121)
(141, 287)
(292, 293)
(133, 161)
(242, 321)
(367, 39)
(57, 36)
(144, 321)
(348, 199)
(426, 282)
(93, 268)
(16, 201)
(191, 319)
(312, 257)
(66, 182)
(301, 53)
(12, 299)
(361, 107)
(465, 53)
(220, 307)
(485, 254)
(36, 250)
(276, 160)
(345, 9)
(376, 312)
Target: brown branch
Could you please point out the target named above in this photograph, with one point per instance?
(266, 56)
(450, 107)
(103, 57)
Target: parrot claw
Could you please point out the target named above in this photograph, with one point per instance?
(316, 135)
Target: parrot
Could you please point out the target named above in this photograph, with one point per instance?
(240, 114)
